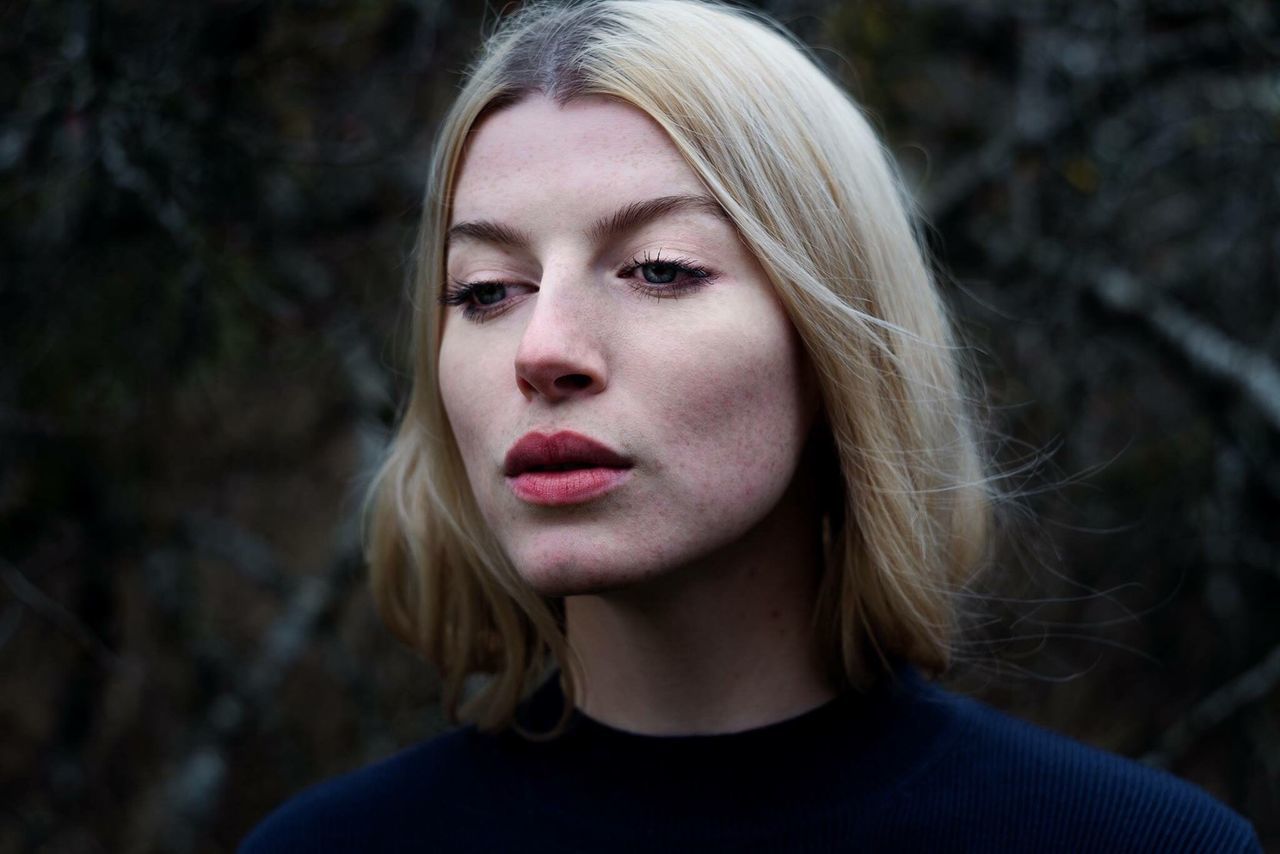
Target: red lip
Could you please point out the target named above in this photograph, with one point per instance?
(566, 449)
(563, 468)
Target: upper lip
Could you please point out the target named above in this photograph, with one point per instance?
(563, 449)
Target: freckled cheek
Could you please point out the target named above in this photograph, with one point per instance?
(468, 388)
(732, 419)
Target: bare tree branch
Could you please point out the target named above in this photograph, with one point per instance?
(1255, 683)
(181, 807)
(54, 612)
(1209, 350)
(222, 538)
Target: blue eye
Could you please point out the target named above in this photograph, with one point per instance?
(659, 274)
(659, 277)
(479, 300)
(488, 293)
(662, 277)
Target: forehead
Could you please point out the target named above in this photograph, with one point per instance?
(592, 150)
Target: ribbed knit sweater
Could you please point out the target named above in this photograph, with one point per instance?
(904, 767)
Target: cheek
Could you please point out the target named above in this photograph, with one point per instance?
(736, 418)
(468, 390)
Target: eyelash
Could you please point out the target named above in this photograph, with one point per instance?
(461, 293)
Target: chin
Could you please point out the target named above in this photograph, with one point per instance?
(582, 570)
(564, 584)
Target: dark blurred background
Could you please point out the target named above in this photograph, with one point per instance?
(207, 211)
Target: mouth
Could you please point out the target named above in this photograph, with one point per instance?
(559, 452)
(563, 468)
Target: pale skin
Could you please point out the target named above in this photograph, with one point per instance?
(649, 327)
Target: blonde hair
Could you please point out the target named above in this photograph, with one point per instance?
(813, 194)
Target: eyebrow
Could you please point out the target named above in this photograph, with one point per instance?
(626, 218)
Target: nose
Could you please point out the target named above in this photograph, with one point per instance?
(559, 356)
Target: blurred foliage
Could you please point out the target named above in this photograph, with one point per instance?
(206, 213)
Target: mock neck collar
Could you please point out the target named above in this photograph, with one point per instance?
(856, 740)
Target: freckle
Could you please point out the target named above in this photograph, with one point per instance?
(775, 614)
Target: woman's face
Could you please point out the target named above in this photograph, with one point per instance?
(596, 290)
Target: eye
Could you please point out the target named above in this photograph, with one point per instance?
(660, 273)
(479, 301)
(666, 277)
(488, 293)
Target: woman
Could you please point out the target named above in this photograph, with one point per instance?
(688, 427)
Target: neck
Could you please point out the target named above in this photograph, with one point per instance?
(723, 645)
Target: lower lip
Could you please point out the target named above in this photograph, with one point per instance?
(558, 488)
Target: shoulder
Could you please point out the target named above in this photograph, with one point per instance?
(373, 808)
(1011, 785)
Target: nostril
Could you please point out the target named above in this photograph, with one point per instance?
(573, 382)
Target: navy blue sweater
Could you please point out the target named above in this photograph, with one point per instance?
(905, 767)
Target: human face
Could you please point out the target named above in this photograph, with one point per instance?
(649, 328)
